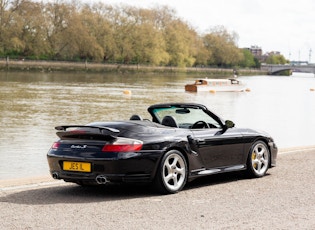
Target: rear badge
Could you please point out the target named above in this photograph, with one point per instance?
(78, 146)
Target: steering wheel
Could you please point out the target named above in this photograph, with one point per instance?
(200, 125)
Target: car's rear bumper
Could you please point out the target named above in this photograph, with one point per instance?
(119, 170)
(94, 177)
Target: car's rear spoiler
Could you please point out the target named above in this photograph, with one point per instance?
(83, 132)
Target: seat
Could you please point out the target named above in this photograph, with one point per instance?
(169, 121)
(136, 117)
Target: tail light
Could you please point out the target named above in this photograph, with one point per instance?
(123, 146)
(55, 145)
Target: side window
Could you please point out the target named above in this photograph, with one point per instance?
(213, 123)
(200, 115)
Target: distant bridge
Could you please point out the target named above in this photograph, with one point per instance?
(273, 69)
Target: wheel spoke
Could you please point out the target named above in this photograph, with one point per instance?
(261, 153)
(180, 170)
(259, 164)
(256, 149)
(168, 178)
(264, 161)
(174, 163)
(168, 168)
(175, 181)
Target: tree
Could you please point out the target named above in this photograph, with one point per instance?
(180, 40)
(10, 36)
(56, 22)
(28, 37)
(203, 55)
(222, 45)
(98, 19)
(276, 59)
(248, 59)
(145, 41)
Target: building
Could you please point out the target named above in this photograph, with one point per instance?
(256, 51)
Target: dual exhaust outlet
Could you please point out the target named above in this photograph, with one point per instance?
(100, 179)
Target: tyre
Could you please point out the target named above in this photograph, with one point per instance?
(258, 159)
(172, 173)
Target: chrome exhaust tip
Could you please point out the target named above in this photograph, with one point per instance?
(101, 179)
(55, 175)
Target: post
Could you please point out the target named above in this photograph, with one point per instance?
(7, 62)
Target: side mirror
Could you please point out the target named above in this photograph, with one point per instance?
(229, 124)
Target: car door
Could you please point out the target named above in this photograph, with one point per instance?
(219, 148)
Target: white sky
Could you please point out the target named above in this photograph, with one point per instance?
(286, 26)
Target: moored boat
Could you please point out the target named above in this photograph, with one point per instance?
(213, 85)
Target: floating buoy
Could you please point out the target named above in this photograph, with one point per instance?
(247, 90)
(127, 92)
(312, 89)
(212, 91)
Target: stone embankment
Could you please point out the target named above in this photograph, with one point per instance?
(57, 66)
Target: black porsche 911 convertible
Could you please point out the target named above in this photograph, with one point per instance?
(181, 142)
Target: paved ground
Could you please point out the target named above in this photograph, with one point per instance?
(284, 199)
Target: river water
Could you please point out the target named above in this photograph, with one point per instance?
(32, 104)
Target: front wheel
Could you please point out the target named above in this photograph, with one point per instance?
(172, 173)
(258, 159)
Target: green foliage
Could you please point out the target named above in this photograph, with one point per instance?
(248, 59)
(71, 30)
(257, 62)
(222, 47)
(276, 59)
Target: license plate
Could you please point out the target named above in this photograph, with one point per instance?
(76, 166)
